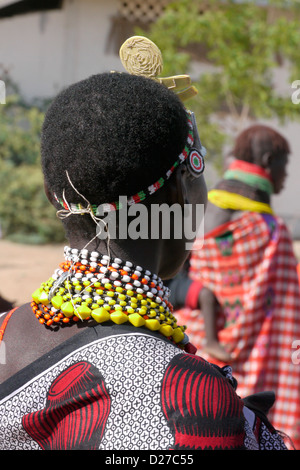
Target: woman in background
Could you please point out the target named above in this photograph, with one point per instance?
(243, 303)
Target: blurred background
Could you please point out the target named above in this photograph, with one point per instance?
(243, 56)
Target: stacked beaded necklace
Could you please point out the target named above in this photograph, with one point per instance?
(87, 287)
(253, 176)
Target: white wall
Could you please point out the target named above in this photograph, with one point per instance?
(49, 50)
(287, 203)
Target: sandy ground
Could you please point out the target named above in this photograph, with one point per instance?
(24, 267)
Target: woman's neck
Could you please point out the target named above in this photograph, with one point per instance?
(145, 253)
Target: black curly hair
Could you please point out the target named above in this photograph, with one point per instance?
(115, 134)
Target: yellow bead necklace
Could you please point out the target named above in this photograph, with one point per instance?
(89, 287)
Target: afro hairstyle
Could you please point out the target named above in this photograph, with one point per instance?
(114, 133)
(257, 140)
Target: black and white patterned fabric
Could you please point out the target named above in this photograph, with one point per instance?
(133, 369)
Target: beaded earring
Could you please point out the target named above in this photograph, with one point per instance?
(195, 163)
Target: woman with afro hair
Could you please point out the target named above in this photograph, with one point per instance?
(96, 359)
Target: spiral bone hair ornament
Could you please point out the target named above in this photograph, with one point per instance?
(140, 56)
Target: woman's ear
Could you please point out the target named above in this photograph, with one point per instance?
(174, 191)
(266, 161)
(182, 185)
(191, 190)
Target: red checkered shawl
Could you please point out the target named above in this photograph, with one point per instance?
(250, 266)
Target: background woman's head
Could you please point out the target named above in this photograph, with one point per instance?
(267, 148)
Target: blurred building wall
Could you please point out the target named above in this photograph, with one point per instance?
(45, 51)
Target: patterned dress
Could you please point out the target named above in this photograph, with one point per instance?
(119, 388)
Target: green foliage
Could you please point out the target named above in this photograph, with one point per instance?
(19, 132)
(25, 213)
(242, 43)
